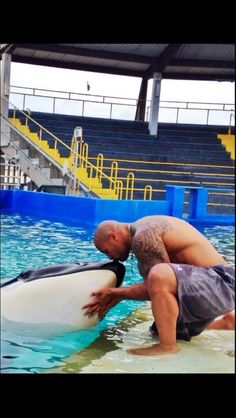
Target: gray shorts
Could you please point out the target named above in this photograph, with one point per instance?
(203, 294)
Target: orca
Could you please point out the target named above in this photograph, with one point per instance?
(48, 300)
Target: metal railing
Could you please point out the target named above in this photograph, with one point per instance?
(147, 189)
(83, 158)
(12, 176)
(129, 186)
(56, 101)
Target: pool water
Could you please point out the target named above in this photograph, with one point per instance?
(29, 242)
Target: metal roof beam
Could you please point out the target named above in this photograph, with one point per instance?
(201, 77)
(86, 52)
(202, 63)
(77, 66)
(7, 49)
(162, 61)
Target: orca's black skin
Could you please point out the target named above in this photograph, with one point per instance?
(63, 269)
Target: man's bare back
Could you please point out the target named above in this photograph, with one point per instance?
(168, 239)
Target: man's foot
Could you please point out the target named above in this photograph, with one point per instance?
(229, 319)
(227, 322)
(154, 350)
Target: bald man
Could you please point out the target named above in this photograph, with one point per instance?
(187, 281)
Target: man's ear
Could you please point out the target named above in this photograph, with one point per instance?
(112, 235)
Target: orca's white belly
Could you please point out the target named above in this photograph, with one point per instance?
(53, 304)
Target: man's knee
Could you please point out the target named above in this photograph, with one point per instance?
(161, 278)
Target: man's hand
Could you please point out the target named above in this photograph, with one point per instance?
(103, 300)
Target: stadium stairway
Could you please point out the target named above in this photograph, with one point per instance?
(181, 154)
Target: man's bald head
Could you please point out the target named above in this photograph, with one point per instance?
(104, 228)
(112, 238)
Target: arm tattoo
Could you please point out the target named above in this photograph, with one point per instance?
(148, 245)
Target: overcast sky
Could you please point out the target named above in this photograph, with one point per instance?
(122, 86)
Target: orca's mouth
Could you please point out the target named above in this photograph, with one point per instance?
(67, 269)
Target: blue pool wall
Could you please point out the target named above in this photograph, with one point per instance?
(92, 211)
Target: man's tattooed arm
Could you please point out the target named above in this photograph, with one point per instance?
(148, 247)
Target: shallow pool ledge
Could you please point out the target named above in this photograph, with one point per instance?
(210, 352)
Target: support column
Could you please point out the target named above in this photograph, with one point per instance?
(141, 106)
(5, 69)
(154, 111)
(175, 195)
(198, 203)
(5, 82)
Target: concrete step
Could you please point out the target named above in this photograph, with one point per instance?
(92, 122)
(127, 138)
(115, 155)
(35, 161)
(156, 149)
(57, 181)
(158, 184)
(46, 171)
(174, 176)
(116, 135)
(169, 167)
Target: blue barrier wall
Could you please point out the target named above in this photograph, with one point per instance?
(79, 209)
(197, 211)
(92, 211)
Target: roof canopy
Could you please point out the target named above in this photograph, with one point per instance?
(174, 61)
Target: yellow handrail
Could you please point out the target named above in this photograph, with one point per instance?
(99, 165)
(162, 163)
(72, 156)
(81, 142)
(84, 157)
(129, 186)
(114, 171)
(119, 189)
(147, 188)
